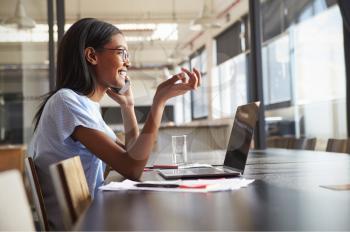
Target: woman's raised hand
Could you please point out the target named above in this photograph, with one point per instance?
(125, 99)
(178, 85)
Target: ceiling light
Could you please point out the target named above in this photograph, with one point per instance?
(20, 19)
(205, 20)
(203, 23)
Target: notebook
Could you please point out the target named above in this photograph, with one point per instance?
(236, 153)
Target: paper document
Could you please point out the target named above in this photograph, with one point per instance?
(200, 185)
(339, 187)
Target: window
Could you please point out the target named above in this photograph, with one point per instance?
(24, 75)
(199, 98)
(276, 73)
(304, 77)
(278, 16)
(230, 76)
(183, 103)
(230, 86)
(232, 41)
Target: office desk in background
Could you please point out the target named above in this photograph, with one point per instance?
(285, 196)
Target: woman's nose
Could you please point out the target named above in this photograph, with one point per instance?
(127, 63)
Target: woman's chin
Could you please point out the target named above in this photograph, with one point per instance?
(118, 84)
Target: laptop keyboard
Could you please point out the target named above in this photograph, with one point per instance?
(209, 170)
(227, 170)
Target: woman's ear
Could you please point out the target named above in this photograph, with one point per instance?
(90, 55)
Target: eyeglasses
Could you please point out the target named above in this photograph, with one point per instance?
(123, 53)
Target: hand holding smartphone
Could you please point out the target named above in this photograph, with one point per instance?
(122, 90)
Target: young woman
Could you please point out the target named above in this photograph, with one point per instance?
(93, 59)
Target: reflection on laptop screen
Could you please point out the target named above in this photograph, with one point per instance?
(241, 136)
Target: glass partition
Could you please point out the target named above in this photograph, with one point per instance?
(230, 86)
(199, 101)
(23, 68)
(304, 74)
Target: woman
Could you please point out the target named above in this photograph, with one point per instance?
(92, 59)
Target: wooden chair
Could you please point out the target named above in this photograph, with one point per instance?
(71, 188)
(36, 193)
(14, 207)
(337, 145)
(302, 143)
(278, 142)
(271, 141)
(11, 157)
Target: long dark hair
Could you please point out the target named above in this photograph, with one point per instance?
(73, 71)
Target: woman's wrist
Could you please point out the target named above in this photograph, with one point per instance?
(127, 106)
(158, 102)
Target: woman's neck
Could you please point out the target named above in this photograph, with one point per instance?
(98, 94)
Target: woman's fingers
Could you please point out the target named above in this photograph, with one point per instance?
(192, 83)
(110, 92)
(175, 78)
(193, 78)
(178, 84)
(198, 76)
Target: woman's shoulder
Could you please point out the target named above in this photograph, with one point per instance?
(67, 93)
(69, 98)
(64, 95)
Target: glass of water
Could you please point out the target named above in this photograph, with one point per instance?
(179, 146)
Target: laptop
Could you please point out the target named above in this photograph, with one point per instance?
(237, 149)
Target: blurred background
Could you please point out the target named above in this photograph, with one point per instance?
(302, 59)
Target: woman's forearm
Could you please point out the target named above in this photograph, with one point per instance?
(140, 150)
(130, 125)
(143, 146)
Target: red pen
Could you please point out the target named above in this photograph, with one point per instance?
(165, 166)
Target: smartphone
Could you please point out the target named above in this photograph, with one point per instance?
(123, 89)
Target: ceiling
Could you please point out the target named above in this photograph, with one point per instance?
(147, 54)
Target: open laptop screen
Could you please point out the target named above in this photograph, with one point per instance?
(241, 136)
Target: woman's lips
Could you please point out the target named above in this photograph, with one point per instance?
(122, 74)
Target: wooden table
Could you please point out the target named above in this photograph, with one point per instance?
(285, 196)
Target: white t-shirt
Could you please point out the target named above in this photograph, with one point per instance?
(52, 143)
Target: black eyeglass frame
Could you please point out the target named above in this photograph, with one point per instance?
(124, 54)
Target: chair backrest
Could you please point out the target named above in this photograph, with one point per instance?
(14, 207)
(37, 195)
(11, 157)
(337, 145)
(71, 188)
(310, 144)
(279, 142)
(302, 143)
